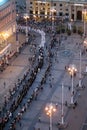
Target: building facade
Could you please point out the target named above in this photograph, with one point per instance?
(7, 19)
(62, 8)
(7, 28)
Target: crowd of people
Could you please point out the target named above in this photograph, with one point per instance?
(22, 87)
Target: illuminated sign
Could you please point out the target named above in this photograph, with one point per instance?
(3, 2)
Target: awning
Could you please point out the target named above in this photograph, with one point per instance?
(5, 51)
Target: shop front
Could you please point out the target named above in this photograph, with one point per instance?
(4, 56)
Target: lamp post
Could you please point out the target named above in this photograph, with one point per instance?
(62, 124)
(26, 18)
(80, 76)
(52, 17)
(62, 115)
(50, 109)
(17, 40)
(85, 45)
(72, 71)
(84, 19)
(85, 48)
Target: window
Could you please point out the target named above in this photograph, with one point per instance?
(31, 7)
(54, 4)
(60, 14)
(60, 4)
(48, 13)
(67, 14)
(36, 12)
(66, 9)
(42, 13)
(31, 12)
(31, 3)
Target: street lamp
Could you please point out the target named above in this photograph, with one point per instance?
(72, 71)
(85, 48)
(62, 124)
(80, 76)
(84, 12)
(62, 115)
(52, 10)
(85, 44)
(50, 109)
(17, 39)
(26, 18)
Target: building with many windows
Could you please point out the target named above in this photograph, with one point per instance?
(7, 19)
(71, 9)
(7, 28)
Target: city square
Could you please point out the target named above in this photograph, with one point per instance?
(44, 76)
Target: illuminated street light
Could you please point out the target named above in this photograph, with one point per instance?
(50, 109)
(85, 43)
(52, 10)
(72, 71)
(84, 12)
(26, 18)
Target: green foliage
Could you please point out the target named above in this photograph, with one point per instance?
(68, 32)
(80, 30)
(63, 29)
(74, 29)
(60, 29)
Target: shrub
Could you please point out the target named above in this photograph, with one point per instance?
(69, 32)
(74, 29)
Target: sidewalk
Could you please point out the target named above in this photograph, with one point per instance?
(76, 117)
(9, 49)
(12, 40)
(16, 68)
